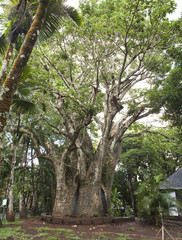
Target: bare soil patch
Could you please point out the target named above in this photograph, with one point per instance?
(36, 229)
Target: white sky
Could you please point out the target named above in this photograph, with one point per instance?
(174, 15)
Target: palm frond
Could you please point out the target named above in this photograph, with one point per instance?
(22, 101)
(74, 15)
(3, 44)
(15, 2)
(23, 106)
(52, 22)
(24, 93)
(26, 73)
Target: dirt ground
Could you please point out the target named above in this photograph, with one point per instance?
(36, 229)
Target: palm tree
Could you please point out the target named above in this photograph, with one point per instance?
(44, 19)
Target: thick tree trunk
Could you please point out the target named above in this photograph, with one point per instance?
(83, 201)
(22, 208)
(89, 200)
(65, 193)
(10, 215)
(79, 196)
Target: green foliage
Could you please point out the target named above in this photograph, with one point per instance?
(145, 162)
(22, 101)
(172, 91)
(116, 203)
(56, 11)
(132, 229)
(116, 39)
(151, 201)
(3, 44)
(95, 214)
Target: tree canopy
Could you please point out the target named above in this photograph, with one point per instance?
(90, 85)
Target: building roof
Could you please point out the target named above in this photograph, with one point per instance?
(174, 181)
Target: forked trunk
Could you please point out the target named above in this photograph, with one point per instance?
(85, 200)
(78, 196)
(90, 201)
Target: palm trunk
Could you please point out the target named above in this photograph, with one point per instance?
(10, 84)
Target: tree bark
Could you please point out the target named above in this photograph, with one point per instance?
(34, 202)
(22, 208)
(84, 176)
(10, 215)
(6, 61)
(78, 193)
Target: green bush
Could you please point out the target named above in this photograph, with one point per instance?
(117, 208)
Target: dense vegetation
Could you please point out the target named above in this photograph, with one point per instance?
(75, 107)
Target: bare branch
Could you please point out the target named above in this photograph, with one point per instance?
(57, 70)
(130, 135)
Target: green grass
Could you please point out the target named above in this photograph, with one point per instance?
(68, 233)
(17, 222)
(51, 238)
(121, 236)
(54, 229)
(28, 216)
(16, 232)
(71, 236)
(102, 236)
(40, 235)
(132, 229)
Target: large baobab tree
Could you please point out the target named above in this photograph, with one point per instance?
(121, 44)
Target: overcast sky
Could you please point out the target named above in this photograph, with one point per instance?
(175, 15)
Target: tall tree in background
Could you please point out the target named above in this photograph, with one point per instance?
(91, 77)
(172, 90)
(146, 161)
